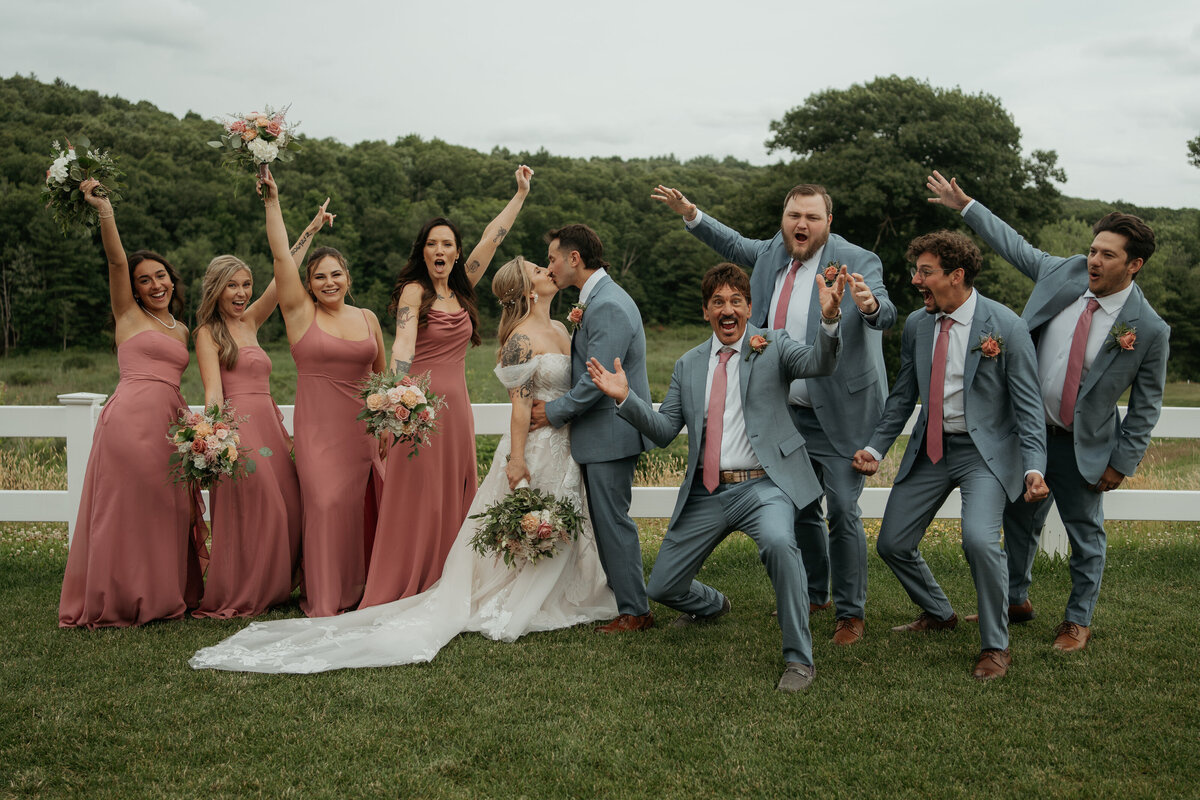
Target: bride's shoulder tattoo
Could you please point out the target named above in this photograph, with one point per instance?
(518, 350)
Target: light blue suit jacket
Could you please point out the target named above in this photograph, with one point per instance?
(849, 401)
(611, 328)
(1000, 395)
(763, 378)
(1101, 436)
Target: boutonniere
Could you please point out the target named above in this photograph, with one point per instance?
(575, 315)
(1122, 336)
(758, 343)
(990, 345)
(830, 272)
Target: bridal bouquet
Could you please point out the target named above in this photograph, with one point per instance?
(207, 447)
(257, 139)
(401, 405)
(72, 167)
(525, 526)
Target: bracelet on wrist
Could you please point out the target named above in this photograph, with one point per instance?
(109, 215)
(831, 320)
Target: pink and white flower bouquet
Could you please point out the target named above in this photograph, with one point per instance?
(71, 167)
(257, 139)
(208, 447)
(525, 526)
(401, 405)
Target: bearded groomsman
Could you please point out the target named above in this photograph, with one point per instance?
(980, 429)
(1096, 337)
(829, 412)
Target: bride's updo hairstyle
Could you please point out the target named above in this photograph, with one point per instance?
(512, 288)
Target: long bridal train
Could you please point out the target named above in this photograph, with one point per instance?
(475, 593)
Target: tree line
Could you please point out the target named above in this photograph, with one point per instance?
(871, 145)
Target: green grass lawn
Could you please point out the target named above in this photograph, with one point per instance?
(668, 713)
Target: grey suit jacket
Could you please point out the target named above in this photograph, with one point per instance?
(849, 401)
(1000, 395)
(764, 378)
(611, 328)
(1101, 436)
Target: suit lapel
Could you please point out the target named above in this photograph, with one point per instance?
(1128, 315)
(1068, 292)
(697, 368)
(923, 357)
(745, 366)
(981, 324)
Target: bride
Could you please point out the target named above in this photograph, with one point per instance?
(475, 593)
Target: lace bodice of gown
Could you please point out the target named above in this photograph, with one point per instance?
(550, 374)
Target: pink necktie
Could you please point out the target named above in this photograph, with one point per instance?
(785, 296)
(1075, 363)
(714, 424)
(937, 392)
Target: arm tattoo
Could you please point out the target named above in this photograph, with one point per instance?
(474, 266)
(300, 242)
(501, 232)
(517, 350)
(403, 316)
(401, 367)
(526, 390)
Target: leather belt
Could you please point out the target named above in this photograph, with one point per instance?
(740, 475)
(1055, 430)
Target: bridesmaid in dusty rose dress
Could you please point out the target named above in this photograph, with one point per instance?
(335, 346)
(132, 559)
(425, 499)
(256, 520)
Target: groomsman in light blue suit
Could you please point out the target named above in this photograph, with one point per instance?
(605, 446)
(1123, 344)
(829, 412)
(747, 466)
(980, 429)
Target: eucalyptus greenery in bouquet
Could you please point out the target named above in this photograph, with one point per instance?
(255, 140)
(71, 167)
(525, 526)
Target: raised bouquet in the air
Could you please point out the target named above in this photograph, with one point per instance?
(401, 405)
(208, 448)
(71, 167)
(525, 526)
(257, 139)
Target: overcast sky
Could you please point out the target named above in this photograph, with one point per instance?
(1113, 87)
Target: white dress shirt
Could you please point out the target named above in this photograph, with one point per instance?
(1054, 346)
(954, 415)
(590, 284)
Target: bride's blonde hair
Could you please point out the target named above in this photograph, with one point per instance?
(512, 288)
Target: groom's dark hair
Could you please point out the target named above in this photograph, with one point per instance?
(724, 274)
(584, 241)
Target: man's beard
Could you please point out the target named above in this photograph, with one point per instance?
(810, 247)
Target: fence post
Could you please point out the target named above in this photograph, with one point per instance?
(82, 410)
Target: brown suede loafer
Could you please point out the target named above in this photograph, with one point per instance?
(628, 622)
(1022, 612)
(848, 630)
(991, 664)
(928, 622)
(1071, 636)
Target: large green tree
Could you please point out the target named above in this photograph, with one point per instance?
(1194, 152)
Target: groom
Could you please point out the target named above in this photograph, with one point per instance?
(606, 325)
(748, 469)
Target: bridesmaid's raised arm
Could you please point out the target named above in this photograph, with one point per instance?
(264, 306)
(497, 229)
(120, 290)
(294, 299)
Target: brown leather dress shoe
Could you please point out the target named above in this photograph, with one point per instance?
(1022, 612)
(991, 664)
(628, 622)
(1071, 636)
(812, 608)
(848, 630)
(927, 622)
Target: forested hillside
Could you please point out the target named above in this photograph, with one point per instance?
(865, 144)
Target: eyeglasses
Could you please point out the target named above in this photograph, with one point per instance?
(926, 272)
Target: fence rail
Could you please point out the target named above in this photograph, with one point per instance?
(75, 420)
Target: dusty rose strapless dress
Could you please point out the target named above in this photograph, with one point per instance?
(131, 558)
(425, 499)
(333, 460)
(255, 520)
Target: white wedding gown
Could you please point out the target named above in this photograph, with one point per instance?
(475, 593)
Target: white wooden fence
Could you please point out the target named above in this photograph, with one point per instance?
(75, 419)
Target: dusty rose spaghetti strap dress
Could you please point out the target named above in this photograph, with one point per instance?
(425, 499)
(333, 460)
(255, 520)
(131, 559)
